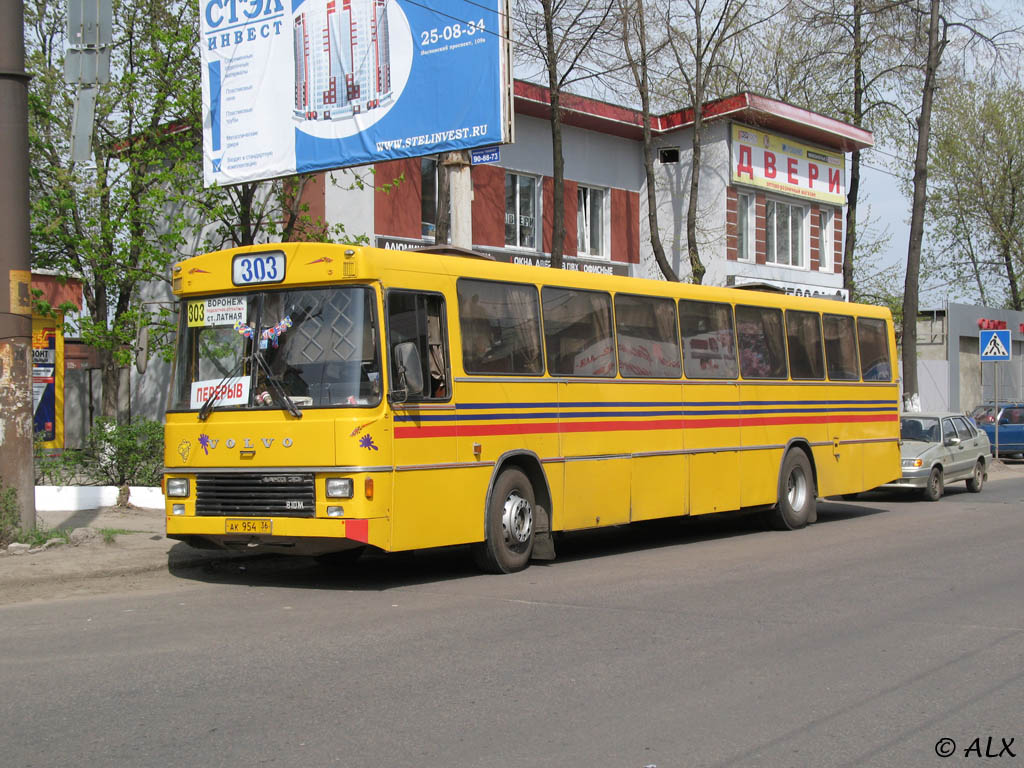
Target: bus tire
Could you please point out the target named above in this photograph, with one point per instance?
(796, 505)
(509, 524)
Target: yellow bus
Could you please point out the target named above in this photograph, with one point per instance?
(329, 398)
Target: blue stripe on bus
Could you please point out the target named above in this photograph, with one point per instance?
(671, 403)
(633, 414)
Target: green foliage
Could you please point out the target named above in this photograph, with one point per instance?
(125, 454)
(110, 534)
(10, 523)
(975, 205)
(10, 515)
(36, 537)
(118, 221)
(114, 454)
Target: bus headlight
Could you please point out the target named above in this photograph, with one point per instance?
(339, 488)
(178, 487)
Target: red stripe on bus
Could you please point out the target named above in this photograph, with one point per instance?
(520, 428)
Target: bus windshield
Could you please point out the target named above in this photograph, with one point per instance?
(318, 348)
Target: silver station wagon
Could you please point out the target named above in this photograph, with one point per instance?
(941, 448)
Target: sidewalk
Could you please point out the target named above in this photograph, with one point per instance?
(69, 568)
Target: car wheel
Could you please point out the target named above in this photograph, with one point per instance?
(933, 491)
(977, 478)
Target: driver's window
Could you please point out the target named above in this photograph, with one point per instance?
(948, 430)
(418, 336)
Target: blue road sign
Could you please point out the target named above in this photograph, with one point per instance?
(994, 346)
(484, 155)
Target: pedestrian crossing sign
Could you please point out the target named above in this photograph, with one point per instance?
(994, 345)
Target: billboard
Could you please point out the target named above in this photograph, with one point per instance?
(295, 86)
(779, 164)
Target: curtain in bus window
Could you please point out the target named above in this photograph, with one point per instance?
(645, 332)
(500, 328)
(874, 349)
(840, 348)
(577, 332)
(760, 341)
(709, 350)
(803, 330)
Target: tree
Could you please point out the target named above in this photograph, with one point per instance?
(840, 58)
(701, 46)
(639, 54)
(976, 208)
(935, 26)
(118, 222)
(559, 36)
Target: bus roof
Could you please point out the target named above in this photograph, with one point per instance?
(318, 263)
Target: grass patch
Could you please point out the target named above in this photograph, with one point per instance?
(36, 537)
(110, 534)
(10, 523)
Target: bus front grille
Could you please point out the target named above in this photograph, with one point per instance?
(256, 494)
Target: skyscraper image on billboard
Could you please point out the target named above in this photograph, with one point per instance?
(342, 59)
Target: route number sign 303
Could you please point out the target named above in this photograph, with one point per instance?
(253, 268)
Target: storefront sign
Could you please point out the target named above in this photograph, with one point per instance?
(794, 289)
(778, 164)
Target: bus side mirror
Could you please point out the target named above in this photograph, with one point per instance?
(408, 369)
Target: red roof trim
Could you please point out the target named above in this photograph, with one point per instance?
(533, 100)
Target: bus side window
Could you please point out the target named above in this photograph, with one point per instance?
(841, 348)
(709, 347)
(874, 349)
(803, 331)
(760, 339)
(419, 318)
(578, 332)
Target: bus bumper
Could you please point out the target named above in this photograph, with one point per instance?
(298, 536)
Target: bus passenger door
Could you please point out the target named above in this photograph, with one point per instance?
(424, 513)
(711, 440)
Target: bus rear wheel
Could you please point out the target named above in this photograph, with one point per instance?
(796, 504)
(509, 525)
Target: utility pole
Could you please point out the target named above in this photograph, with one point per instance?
(16, 462)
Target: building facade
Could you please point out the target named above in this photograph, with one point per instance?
(770, 208)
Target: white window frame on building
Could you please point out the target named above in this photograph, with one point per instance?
(771, 210)
(745, 231)
(591, 221)
(826, 239)
(515, 216)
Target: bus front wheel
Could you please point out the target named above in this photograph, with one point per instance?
(509, 526)
(796, 503)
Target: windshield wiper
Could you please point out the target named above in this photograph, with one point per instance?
(276, 389)
(204, 411)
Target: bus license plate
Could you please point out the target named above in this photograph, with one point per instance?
(247, 526)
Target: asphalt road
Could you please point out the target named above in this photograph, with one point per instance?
(863, 640)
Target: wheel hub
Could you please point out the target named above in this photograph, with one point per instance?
(796, 489)
(517, 519)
